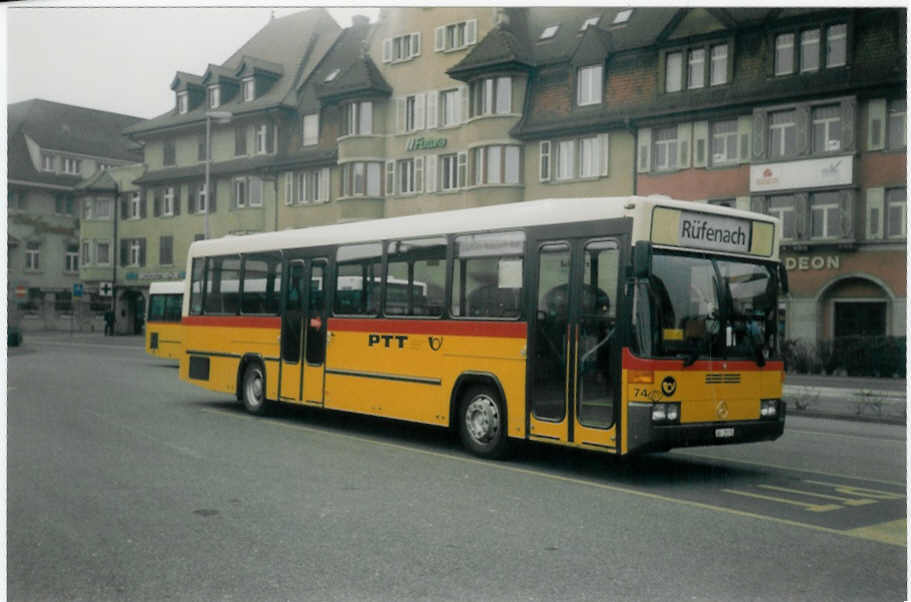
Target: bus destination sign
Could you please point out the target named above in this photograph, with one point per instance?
(714, 232)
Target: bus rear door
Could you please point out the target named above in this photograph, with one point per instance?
(303, 335)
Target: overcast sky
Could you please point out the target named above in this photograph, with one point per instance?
(123, 59)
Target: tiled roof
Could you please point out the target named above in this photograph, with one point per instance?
(19, 165)
(100, 182)
(295, 42)
(500, 46)
(356, 70)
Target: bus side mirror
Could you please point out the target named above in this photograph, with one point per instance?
(642, 259)
(783, 278)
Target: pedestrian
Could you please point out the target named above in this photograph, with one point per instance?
(108, 323)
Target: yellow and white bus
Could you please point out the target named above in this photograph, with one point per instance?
(622, 325)
(163, 330)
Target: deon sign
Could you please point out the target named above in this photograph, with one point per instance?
(421, 143)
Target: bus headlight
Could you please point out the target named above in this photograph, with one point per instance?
(666, 413)
(768, 408)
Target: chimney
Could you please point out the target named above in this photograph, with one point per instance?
(360, 20)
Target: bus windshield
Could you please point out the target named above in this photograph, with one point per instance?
(700, 306)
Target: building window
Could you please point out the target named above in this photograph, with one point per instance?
(724, 142)
(566, 159)
(836, 45)
(897, 212)
(696, 73)
(72, 166)
(589, 83)
(666, 148)
(255, 186)
(673, 81)
(826, 129)
(135, 252)
(47, 162)
(64, 204)
(240, 192)
(201, 198)
(308, 189)
(86, 252)
(71, 258)
(896, 136)
(719, 67)
(825, 215)
(102, 253)
(450, 113)
(589, 157)
(357, 119)
(182, 102)
(410, 110)
(104, 208)
(544, 160)
(135, 205)
(590, 22)
(622, 16)
(407, 182)
(169, 152)
(784, 54)
(782, 207)
(491, 96)
(809, 50)
(240, 140)
(310, 129)
(549, 32)
(214, 97)
(332, 75)
(249, 89)
(449, 172)
(362, 178)
(32, 256)
(262, 131)
(782, 134)
(495, 164)
(166, 250)
(167, 207)
(401, 48)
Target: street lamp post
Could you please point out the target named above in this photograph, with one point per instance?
(219, 117)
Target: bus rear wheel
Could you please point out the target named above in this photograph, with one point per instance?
(253, 389)
(482, 422)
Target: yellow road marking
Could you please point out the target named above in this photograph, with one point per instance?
(860, 491)
(845, 500)
(845, 435)
(855, 533)
(791, 468)
(781, 500)
(894, 532)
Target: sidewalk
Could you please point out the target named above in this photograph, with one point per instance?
(846, 397)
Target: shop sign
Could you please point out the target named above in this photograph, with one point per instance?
(809, 173)
(162, 276)
(422, 143)
(815, 262)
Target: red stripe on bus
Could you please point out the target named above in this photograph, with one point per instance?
(233, 321)
(515, 330)
(631, 362)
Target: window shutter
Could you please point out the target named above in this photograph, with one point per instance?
(270, 138)
(387, 50)
(745, 132)
(416, 44)
(177, 199)
(124, 207)
(211, 197)
(875, 208)
(471, 31)
(604, 141)
(432, 113)
(464, 93)
(430, 166)
(684, 140)
(463, 169)
(288, 177)
(399, 115)
(700, 143)
(419, 106)
(142, 206)
(545, 168)
(142, 252)
(124, 251)
(644, 154)
(390, 178)
(419, 174)
(438, 38)
(876, 124)
(324, 185)
(156, 202)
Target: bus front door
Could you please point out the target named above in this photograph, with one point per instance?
(303, 332)
(573, 371)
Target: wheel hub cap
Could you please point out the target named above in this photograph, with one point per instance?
(482, 419)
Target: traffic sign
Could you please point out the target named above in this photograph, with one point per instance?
(77, 289)
(21, 292)
(105, 289)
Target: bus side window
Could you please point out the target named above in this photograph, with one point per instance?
(262, 283)
(196, 285)
(487, 275)
(358, 277)
(415, 277)
(222, 285)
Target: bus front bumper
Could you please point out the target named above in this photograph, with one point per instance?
(645, 436)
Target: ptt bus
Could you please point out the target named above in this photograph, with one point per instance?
(163, 330)
(622, 325)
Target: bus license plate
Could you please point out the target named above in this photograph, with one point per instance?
(724, 433)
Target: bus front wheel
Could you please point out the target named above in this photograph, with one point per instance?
(253, 389)
(482, 422)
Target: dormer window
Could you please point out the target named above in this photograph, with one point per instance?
(590, 22)
(549, 32)
(249, 89)
(214, 97)
(183, 103)
(332, 75)
(623, 16)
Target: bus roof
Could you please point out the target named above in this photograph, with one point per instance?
(496, 217)
(169, 287)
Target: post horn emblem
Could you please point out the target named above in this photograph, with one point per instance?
(435, 342)
(721, 410)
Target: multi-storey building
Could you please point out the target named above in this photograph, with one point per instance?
(52, 148)
(795, 112)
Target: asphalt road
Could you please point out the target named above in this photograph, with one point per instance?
(124, 483)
